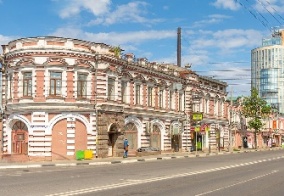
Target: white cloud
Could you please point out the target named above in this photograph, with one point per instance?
(212, 19)
(114, 38)
(5, 39)
(228, 39)
(227, 4)
(165, 7)
(132, 37)
(132, 12)
(103, 13)
(74, 7)
(272, 6)
(69, 32)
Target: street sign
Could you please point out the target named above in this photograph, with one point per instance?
(207, 128)
(197, 116)
(197, 128)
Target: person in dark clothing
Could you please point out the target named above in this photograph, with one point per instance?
(125, 146)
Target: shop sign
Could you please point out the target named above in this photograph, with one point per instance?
(197, 129)
(274, 124)
(207, 128)
(197, 116)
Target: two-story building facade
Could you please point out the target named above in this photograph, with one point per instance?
(61, 95)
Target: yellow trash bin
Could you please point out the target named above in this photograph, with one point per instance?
(88, 154)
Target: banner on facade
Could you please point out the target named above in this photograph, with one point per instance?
(207, 128)
(274, 124)
(197, 128)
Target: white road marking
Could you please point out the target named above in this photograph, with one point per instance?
(242, 182)
(131, 182)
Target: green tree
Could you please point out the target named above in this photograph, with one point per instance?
(255, 109)
(117, 51)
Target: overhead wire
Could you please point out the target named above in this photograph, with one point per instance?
(274, 10)
(268, 11)
(266, 25)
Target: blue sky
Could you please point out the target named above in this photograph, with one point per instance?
(217, 35)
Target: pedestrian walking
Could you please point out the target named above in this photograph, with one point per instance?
(125, 146)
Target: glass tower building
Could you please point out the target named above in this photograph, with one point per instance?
(267, 69)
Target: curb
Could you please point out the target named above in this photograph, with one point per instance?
(198, 155)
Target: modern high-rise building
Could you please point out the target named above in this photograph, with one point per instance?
(267, 69)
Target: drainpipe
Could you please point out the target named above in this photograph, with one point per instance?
(96, 106)
(2, 61)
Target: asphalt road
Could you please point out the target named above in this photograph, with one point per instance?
(254, 173)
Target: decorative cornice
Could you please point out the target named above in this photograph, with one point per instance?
(55, 60)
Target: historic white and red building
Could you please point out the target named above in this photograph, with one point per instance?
(270, 135)
(61, 95)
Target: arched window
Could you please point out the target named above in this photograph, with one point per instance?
(19, 125)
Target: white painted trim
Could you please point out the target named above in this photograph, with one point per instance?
(59, 117)
(70, 153)
(162, 128)
(9, 123)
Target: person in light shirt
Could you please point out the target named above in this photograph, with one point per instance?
(125, 146)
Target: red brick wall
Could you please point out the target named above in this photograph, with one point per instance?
(70, 86)
(80, 136)
(16, 87)
(59, 140)
(39, 97)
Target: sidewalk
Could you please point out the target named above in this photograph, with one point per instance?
(121, 160)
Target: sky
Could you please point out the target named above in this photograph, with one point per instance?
(217, 36)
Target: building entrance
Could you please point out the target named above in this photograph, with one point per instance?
(112, 140)
(20, 138)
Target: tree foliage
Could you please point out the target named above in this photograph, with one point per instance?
(117, 51)
(255, 109)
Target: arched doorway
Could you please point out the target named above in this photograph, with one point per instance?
(155, 139)
(77, 137)
(112, 139)
(20, 138)
(132, 137)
